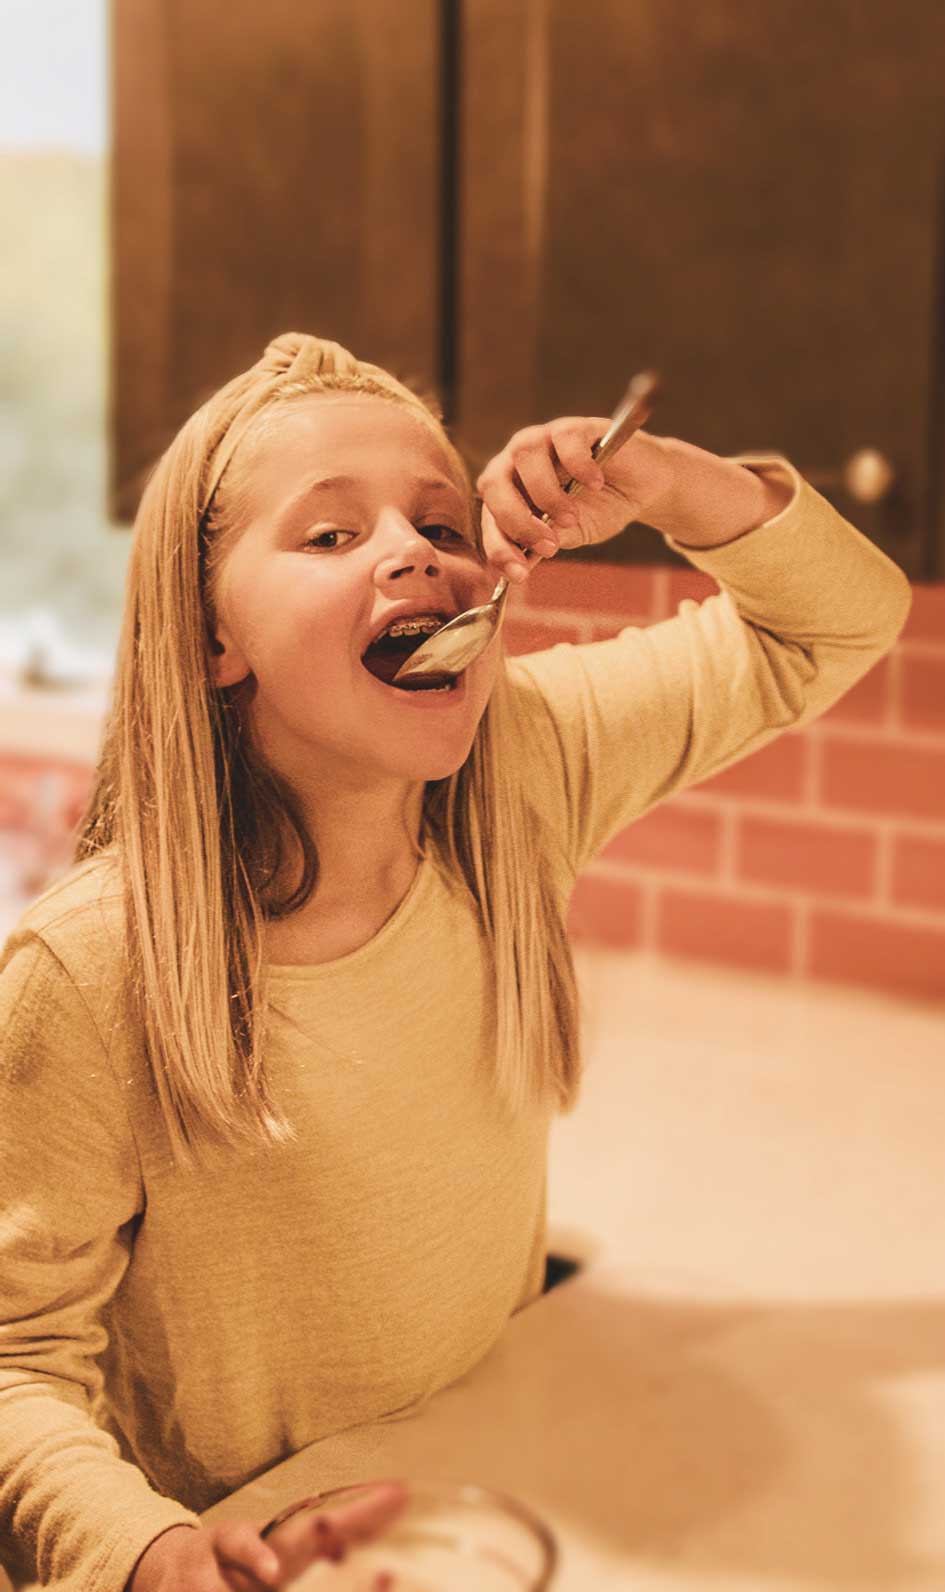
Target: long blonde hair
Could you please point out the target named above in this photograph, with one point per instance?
(198, 823)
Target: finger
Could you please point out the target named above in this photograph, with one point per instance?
(236, 1580)
(247, 1561)
(510, 511)
(536, 471)
(505, 558)
(574, 441)
(365, 1516)
(308, 1533)
(303, 1537)
(327, 1541)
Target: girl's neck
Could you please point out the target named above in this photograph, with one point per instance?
(328, 928)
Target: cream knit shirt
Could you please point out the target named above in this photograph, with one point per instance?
(166, 1336)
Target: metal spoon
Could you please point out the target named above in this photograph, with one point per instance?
(456, 644)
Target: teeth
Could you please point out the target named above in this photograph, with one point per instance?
(411, 627)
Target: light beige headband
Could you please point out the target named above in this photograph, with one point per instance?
(291, 357)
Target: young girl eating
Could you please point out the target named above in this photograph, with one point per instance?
(282, 1049)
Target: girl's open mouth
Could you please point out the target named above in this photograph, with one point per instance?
(416, 694)
(389, 652)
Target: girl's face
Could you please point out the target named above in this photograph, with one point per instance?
(317, 570)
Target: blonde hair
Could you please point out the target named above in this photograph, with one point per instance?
(198, 822)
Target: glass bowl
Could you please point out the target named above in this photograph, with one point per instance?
(449, 1537)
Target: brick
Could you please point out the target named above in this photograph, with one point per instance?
(42, 796)
(607, 632)
(816, 858)
(883, 777)
(922, 692)
(721, 928)
(522, 635)
(606, 912)
(28, 770)
(902, 958)
(926, 621)
(867, 702)
(15, 848)
(776, 773)
(592, 588)
(30, 767)
(918, 872)
(688, 582)
(74, 812)
(15, 801)
(21, 782)
(671, 836)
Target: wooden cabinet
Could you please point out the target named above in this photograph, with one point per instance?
(276, 168)
(523, 202)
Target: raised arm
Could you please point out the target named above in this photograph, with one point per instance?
(807, 606)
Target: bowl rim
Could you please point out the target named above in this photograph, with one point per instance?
(462, 1492)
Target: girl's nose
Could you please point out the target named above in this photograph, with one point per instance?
(411, 545)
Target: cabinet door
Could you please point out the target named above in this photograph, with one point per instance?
(275, 168)
(746, 195)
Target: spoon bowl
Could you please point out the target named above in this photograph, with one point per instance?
(459, 642)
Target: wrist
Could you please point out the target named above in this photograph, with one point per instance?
(706, 501)
(148, 1568)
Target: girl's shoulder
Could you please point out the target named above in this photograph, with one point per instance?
(79, 917)
(67, 1050)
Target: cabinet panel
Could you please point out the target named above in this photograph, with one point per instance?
(747, 198)
(275, 169)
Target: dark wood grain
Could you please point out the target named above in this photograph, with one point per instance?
(748, 198)
(745, 197)
(276, 169)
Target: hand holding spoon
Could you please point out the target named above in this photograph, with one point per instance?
(456, 644)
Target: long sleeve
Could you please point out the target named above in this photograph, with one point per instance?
(75, 1514)
(806, 607)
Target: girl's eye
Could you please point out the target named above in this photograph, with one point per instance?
(310, 541)
(317, 536)
(450, 531)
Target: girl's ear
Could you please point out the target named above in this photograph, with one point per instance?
(228, 665)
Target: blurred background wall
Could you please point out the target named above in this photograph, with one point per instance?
(62, 567)
(519, 204)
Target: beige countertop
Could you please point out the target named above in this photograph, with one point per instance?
(745, 1384)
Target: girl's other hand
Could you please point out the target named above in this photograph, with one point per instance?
(236, 1557)
(527, 479)
(305, 1532)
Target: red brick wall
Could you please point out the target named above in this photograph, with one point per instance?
(823, 855)
(41, 802)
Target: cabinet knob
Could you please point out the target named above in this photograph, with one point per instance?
(867, 475)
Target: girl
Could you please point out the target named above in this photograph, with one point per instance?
(282, 1050)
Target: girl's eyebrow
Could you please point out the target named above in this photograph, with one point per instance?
(341, 483)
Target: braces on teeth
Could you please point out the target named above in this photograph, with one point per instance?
(422, 626)
(410, 627)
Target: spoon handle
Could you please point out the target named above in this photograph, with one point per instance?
(637, 406)
(634, 409)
